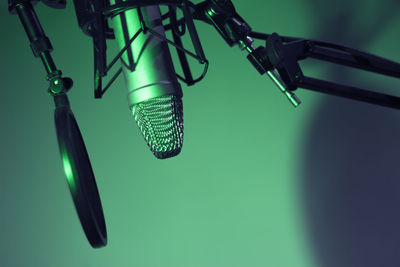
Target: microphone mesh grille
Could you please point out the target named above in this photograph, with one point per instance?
(160, 120)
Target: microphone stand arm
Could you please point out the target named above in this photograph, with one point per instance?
(280, 56)
(284, 54)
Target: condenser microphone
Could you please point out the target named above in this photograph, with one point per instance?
(154, 94)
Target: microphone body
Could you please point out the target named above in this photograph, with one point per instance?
(154, 94)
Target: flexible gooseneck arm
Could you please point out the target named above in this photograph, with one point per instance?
(40, 45)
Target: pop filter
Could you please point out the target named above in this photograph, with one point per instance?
(79, 173)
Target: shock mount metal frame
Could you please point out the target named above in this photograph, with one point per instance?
(92, 18)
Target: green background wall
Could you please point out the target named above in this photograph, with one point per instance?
(258, 183)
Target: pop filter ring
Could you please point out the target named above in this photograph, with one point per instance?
(78, 170)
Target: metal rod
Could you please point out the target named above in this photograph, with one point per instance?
(35, 34)
(350, 92)
(369, 63)
(192, 31)
(111, 81)
(282, 87)
(123, 50)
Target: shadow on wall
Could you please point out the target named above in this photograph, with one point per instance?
(351, 162)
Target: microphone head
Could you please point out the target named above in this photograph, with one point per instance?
(160, 120)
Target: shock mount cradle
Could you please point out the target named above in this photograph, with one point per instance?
(92, 16)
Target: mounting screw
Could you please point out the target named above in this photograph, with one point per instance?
(299, 77)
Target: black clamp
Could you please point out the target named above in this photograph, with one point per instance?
(41, 45)
(57, 84)
(12, 4)
(282, 57)
(259, 59)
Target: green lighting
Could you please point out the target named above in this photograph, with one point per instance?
(211, 12)
(68, 172)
